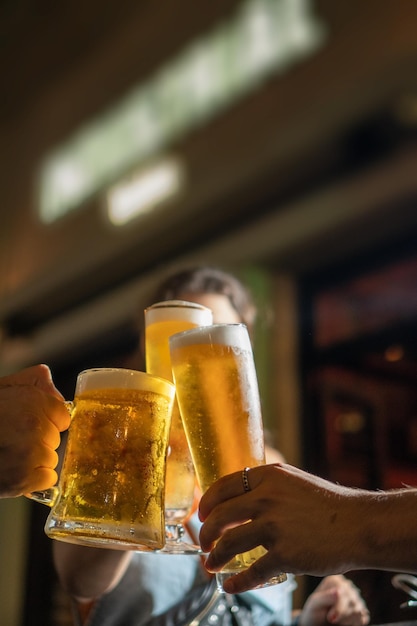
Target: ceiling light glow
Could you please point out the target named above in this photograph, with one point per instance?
(144, 191)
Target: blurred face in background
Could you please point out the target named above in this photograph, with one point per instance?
(223, 311)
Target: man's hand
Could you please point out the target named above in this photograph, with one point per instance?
(32, 414)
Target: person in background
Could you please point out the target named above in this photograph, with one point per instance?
(308, 525)
(32, 414)
(130, 588)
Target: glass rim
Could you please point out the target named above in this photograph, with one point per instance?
(179, 310)
(177, 304)
(154, 382)
(208, 330)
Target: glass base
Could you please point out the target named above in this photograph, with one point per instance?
(180, 547)
(275, 580)
(175, 542)
(100, 535)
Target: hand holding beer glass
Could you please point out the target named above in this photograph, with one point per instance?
(111, 489)
(162, 320)
(218, 397)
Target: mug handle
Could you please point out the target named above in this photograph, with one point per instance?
(49, 496)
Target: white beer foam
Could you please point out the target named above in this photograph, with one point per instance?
(120, 378)
(234, 335)
(178, 310)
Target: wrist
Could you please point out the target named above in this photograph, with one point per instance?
(381, 530)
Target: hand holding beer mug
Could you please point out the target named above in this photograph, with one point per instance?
(218, 397)
(162, 320)
(111, 488)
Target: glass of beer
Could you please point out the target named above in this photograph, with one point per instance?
(111, 487)
(218, 396)
(162, 320)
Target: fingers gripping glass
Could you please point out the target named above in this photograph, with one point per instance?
(49, 496)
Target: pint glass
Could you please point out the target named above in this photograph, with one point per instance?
(162, 320)
(218, 397)
(111, 487)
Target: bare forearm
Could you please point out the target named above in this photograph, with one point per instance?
(387, 531)
(87, 573)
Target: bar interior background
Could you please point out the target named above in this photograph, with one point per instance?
(275, 138)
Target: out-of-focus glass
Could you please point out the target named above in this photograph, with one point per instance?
(111, 487)
(218, 396)
(162, 320)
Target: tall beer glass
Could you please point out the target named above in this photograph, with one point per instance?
(111, 487)
(162, 320)
(218, 396)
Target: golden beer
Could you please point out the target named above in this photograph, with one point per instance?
(162, 320)
(217, 392)
(113, 475)
(218, 396)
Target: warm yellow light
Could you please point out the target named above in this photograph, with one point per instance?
(144, 191)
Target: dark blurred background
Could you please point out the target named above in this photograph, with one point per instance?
(290, 127)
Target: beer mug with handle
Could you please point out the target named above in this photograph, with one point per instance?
(111, 488)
